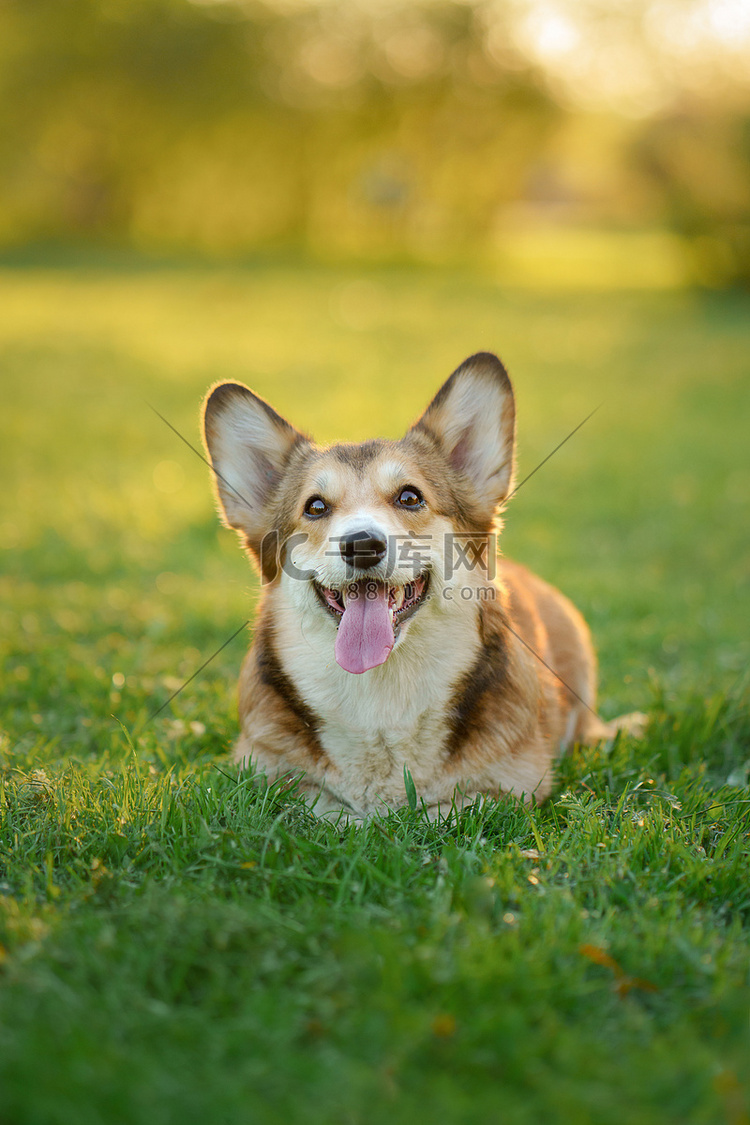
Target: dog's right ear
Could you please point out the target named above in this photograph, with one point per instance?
(473, 418)
(249, 446)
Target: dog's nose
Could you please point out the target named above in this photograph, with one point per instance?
(362, 549)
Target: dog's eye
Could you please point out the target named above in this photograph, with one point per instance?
(409, 498)
(316, 506)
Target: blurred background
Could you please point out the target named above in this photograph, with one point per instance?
(597, 141)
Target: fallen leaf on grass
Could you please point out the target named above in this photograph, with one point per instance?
(623, 983)
(444, 1026)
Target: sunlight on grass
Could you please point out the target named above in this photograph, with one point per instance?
(107, 496)
(563, 258)
(177, 942)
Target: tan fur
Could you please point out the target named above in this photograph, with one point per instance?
(489, 679)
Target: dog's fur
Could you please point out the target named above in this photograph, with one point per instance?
(487, 681)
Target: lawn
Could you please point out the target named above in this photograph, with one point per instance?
(177, 945)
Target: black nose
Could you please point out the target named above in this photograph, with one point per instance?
(362, 549)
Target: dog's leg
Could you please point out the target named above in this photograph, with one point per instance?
(594, 729)
(633, 724)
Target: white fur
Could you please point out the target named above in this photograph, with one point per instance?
(374, 724)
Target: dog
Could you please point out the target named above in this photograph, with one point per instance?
(389, 658)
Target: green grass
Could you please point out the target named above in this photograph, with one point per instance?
(177, 945)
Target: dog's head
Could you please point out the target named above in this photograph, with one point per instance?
(365, 536)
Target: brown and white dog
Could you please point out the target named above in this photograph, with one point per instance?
(385, 646)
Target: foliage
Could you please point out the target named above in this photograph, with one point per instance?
(699, 164)
(425, 129)
(158, 120)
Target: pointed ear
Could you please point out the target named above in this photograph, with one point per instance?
(249, 445)
(473, 417)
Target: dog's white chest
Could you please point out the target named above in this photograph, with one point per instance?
(373, 725)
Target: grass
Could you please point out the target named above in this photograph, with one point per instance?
(178, 945)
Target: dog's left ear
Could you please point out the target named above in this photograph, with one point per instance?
(473, 417)
(249, 446)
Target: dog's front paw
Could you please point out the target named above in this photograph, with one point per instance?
(633, 724)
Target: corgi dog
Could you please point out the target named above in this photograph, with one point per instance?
(390, 644)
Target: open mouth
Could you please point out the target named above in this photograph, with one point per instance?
(370, 614)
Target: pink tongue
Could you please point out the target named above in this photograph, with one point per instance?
(365, 637)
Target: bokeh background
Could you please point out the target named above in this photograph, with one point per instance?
(609, 138)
